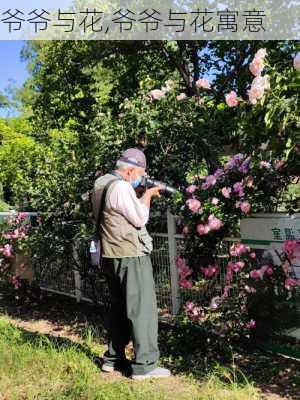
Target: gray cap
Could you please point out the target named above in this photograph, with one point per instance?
(134, 157)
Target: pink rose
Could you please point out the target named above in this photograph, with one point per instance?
(265, 164)
(239, 265)
(236, 267)
(21, 216)
(209, 271)
(203, 83)
(249, 181)
(229, 165)
(245, 207)
(256, 66)
(193, 204)
(218, 173)
(181, 96)
(238, 249)
(292, 248)
(226, 192)
(183, 269)
(255, 274)
(196, 313)
(259, 273)
(6, 250)
(203, 229)
(184, 272)
(226, 291)
(261, 53)
(215, 201)
(252, 255)
(185, 283)
(258, 87)
(156, 94)
(238, 187)
(190, 189)
(296, 62)
(269, 271)
(290, 283)
(180, 262)
(209, 182)
(255, 92)
(231, 99)
(214, 223)
(251, 324)
(185, 230)
(279, 164)
(189, 305)
(262, 81)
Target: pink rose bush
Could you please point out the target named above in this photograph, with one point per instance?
(251, 288)
(14, 232)
(237, 189)
(157, 94)
(259, 84)
(244, 184)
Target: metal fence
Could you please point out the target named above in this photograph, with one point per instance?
(76, 281)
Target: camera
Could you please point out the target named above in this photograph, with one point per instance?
(148, 182)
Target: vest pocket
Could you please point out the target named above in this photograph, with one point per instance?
(145, 239)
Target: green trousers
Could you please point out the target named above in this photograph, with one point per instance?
(133, 312)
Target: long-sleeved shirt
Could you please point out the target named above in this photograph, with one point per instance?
(123, 199)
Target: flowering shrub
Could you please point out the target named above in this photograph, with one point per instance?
(214, 204)
(255, 291)
(14, 234)
(257, 297)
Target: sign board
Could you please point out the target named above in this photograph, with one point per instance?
(269, 231)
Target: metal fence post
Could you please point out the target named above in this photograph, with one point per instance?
(173, 268)
(77, 281)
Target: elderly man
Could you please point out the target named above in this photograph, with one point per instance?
(126, 248)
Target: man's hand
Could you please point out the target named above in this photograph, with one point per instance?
(149, 193)
(154, 191)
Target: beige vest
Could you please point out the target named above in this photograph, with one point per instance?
(119, 237)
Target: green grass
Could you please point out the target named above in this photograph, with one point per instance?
(41, 367)
(4, 206)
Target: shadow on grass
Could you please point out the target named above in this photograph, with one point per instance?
(49, 341)
(59, 311)
(184, 349)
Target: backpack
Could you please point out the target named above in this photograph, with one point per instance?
(93, 246)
